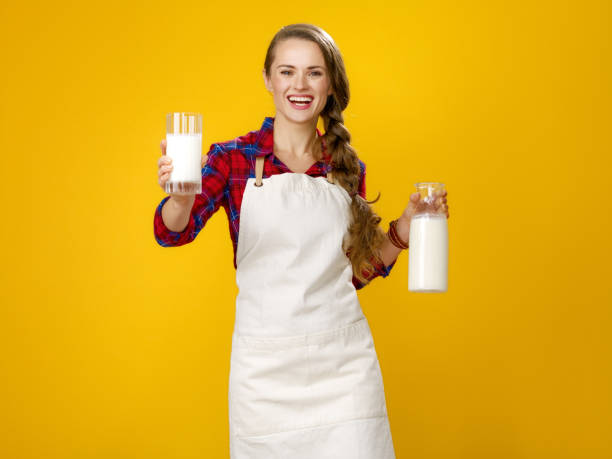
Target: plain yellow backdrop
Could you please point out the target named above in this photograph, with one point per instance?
(116, 347)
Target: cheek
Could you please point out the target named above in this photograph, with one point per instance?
(279, 87)
(323, 87)
(323, 94)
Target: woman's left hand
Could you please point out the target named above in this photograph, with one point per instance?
(416, 204)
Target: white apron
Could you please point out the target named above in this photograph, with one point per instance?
(305, 381)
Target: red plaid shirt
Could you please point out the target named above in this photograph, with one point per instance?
(224, 178)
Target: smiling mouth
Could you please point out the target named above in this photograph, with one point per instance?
(301, 103)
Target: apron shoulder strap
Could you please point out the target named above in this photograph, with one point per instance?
(259, 164)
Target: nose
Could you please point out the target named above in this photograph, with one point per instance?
(300, 81)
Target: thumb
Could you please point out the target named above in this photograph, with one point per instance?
(204, 159)
(416, 202)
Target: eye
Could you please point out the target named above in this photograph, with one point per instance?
(316, 72)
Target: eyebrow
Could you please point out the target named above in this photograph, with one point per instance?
(292, 67)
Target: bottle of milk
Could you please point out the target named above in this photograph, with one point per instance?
(428, 244)
(184, 146)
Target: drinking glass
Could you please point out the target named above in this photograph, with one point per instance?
(184, 146)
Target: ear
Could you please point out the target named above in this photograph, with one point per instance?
(266, 80)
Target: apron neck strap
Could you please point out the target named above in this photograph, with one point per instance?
(259, 166)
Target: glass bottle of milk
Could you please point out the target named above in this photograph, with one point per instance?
(184, 146)
(428, 243)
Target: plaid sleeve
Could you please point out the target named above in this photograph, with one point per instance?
(215, 176)
(379, 267)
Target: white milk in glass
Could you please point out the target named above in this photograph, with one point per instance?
(184, 148)
(186, 153)
(428, 253)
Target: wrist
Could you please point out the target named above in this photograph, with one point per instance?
(403, 228)
(181, 202)
(397, 237)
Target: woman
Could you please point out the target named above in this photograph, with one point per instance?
(305, 381)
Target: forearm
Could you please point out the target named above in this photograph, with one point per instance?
(176, 211)
(389, 252)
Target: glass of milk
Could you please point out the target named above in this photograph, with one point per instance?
(184, 147)
(428, 243)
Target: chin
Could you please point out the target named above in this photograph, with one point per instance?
(299, 118)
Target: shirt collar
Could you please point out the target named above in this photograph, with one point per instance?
(264, 142)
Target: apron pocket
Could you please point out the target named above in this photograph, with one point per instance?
(289, 383)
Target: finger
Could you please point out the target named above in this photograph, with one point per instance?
(164, 161)
(164, 169)
(204, 159)
(416, 203)
(439, 207)
(164, 178)
(163, 146)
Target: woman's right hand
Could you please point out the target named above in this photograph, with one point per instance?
(164, 164)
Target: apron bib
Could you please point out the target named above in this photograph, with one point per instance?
(305, 381)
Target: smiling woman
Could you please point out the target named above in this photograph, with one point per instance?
(288, 395)
(305, 380)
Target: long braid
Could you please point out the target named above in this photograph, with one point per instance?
(365, 234)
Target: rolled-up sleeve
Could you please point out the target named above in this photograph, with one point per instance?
(215, 179)
(379, 267)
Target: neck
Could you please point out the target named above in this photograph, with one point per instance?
(297, 140)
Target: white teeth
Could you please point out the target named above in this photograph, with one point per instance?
(300, 99)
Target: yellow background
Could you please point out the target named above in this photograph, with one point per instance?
(115, 347)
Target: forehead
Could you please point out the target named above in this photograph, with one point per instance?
(299, 53)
